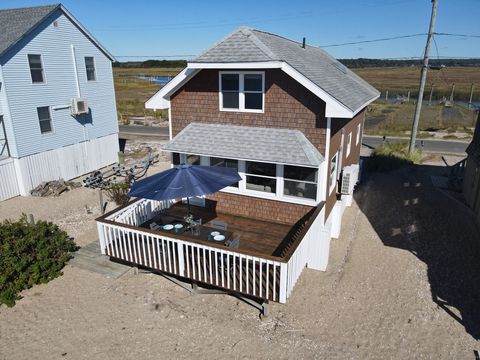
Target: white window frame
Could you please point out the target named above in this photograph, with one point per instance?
(359, 129)
(349, 144)
(271, 194)
(241, 91)
(50, 118)
(277, 195)
(44, 77)
(333, 172)
(300, 181)
(94, 68)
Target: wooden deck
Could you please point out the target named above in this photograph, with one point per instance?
(261, 237)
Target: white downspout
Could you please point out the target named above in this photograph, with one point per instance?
(79, 94)
(327, 163)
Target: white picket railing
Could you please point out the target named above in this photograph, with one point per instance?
(140, 211)
(299, 259)
(258, 276)
(267, 277)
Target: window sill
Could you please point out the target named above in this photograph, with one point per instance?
(242, 111)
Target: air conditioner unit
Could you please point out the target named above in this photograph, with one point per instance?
(349, 179)
(79, 106)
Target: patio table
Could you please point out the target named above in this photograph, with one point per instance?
(204, 231)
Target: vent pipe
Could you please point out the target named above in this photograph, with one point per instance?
(303, 43)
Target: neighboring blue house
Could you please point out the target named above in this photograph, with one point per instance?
(58, 116)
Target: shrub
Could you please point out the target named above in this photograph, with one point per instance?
(392, 156)
(30, 254)
(118, 193)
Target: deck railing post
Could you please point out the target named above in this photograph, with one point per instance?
(101, 237)
(283, 283)
(181, 261)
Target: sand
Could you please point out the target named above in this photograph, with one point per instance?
(403, 245)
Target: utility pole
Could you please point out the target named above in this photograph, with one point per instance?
(423, 77)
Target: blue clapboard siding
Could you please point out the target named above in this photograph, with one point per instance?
(54, 44)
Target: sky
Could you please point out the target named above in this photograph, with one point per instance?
(141, 29)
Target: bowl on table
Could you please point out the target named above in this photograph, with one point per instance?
(167, 227)
(219, 238)
(178, 227)
(214, 233)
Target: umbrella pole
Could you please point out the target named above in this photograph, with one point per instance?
(188, 205)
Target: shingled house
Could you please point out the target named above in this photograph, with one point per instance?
(471, 179)
(289, 117)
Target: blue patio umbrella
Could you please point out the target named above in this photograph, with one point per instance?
(184, 181)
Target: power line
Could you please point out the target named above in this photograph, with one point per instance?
(154, 56)
(376, 40)
(458, 35)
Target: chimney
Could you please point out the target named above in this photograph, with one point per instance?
(303, 43)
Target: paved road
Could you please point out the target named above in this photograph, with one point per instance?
(150, 131)
(440, 146)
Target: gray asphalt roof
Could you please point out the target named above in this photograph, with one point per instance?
(250, 45)
(282, 146)
(15, 23)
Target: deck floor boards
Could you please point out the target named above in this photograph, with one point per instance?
(262, 237)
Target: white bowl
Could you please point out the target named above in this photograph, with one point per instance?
(168, 227)
(178, 226)
(219, 238)
(214, 233)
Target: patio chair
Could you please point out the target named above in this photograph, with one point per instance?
(234, 243)
(155, 226)
(220, 225)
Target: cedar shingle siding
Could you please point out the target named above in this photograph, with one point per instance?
(287, 105)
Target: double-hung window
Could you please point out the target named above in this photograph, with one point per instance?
(359, 129)
(349, 143)
(36, 68)
(333, 172)
(261, 177)
(228, 163)
(90, 68)
(45, 119)
(300, 181)
(242, 91)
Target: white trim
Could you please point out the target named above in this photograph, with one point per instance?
(75, 69)
(241, 91)
(170, 131)
(365, 105)
(359, 129)
(327, 157)
(349, 144)
(237, 65)
(161, 99)
(333, 184)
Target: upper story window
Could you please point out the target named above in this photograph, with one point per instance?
(36, 68)
(359, 130)
(90, 68)
(242, 91)
(349, 143)
(45, 119)
(333, 172)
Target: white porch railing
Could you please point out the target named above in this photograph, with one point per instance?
(236, 270)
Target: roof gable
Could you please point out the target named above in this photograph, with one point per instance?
(315, 64)
(16, 24)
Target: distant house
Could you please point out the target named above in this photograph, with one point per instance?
(57, 101)
(471, 180)
(289, 117)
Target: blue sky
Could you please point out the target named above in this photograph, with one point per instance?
(169, 28)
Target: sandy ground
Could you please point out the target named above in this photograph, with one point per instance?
(402, 283)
